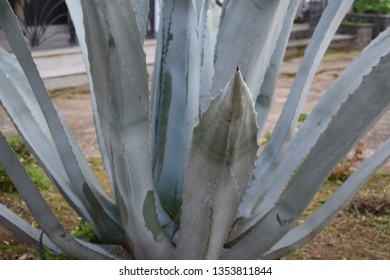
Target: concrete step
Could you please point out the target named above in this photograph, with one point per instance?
(343, 40)
(338, 39)
(300, 31)
(61, 68)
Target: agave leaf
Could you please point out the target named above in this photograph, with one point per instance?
(32, 126)
(248, 45)
(209, 29)
(225, 4)
(141, 8)
(39, 208)
(225, 143)
(76, 12)
(303, 233)
(122, 99)
(324, 32)
(356, 115)
(313, 127)
(321, 115)
(176, 96)
(263, 100)
(275, 148)
(327, 107)
(99, 205)
(25, 231)
(198, 7)
(74, 6)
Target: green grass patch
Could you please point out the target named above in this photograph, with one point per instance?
(30, 164)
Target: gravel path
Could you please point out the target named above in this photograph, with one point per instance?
(76, 107)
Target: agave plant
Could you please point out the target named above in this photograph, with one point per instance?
(35, 29)
(182, 159)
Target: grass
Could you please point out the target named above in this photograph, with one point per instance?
(33, 169)
(360, 231)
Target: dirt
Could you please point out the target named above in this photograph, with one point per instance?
(75, 107)
(77, 111)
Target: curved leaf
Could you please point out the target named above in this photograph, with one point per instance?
(76, 13)
(25, 231)
(303, 233)
(122, 98)
(246, 39)
(224, 142)
(198, 7)
(99, 205)
(25, 113)
(178, 82)
(330, 103)
(263, 100)
(273, 153)
(356, 115)
(209, 26)
(40, 210)
(312, 128)
(141, 8)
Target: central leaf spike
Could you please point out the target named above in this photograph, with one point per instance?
(219, 168)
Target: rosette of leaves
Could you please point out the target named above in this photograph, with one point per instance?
(182, 157)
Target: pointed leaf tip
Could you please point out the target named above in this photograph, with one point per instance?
(219, 168)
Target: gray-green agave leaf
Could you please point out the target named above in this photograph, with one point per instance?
(182, 160)
(305, 138)
(141, 9)
(122, 103)
(303, 233)
(267, 90)
(219, 166)
(37, 205)
(25, 231)
(274, 151)
(355, 116)
(182, 73)
(248, 33)
(84, 184)
(31, 124)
